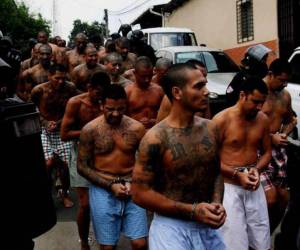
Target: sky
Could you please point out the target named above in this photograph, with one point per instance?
(119, 11)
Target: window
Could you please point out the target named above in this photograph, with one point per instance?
(244, 12)
(161, 40)
(215, 61)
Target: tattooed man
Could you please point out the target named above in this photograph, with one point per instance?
(244, 130)
(37, 74)
(80, 110)
(278, 108)
(144, 97)
(177, 172)
(165, 105)
(82, 73)
(106, 158)
(51, 98)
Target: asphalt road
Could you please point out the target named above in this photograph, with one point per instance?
(64, 236)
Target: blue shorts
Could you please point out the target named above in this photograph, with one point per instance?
(174, 234)
(111, 216)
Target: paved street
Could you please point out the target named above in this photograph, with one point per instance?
(64, 236)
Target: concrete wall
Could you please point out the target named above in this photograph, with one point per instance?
(215, 23)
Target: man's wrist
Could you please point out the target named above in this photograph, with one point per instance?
(192, 215)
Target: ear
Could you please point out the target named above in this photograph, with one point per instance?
(242, 94)
(177, 93)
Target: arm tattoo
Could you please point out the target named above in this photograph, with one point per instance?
(85, 159)
(218, 190)
(153, 155)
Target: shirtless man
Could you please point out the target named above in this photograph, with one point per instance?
(37, 74)
(79, 111)
(177, 172)
(33, 60)
(82, 73)
(122, 45)
(244, 130)
(109, 47)
(106, 158)
(278, 108)
(165, 105)
(42, 37)
(144, 97)
(51, 98)
(161, 67)
(113, 64)
(75, 56)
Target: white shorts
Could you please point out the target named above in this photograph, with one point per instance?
(168, 233)
(247, 222)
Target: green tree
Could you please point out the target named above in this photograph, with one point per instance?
(89, 30)
(19, 24)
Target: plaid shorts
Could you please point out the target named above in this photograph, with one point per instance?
(275, 173)
(52, 144)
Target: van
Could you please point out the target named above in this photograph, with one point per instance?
(169, 36)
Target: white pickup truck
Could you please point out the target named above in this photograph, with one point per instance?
(169, 36)
(294, 83)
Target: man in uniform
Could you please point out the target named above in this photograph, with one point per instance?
(177, 172)
(144, 97)
(106, 158)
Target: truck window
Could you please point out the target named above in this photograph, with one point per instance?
(161, 40)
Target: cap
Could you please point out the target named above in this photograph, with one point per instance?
(258, 51)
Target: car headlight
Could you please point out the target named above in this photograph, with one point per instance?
(213, 95)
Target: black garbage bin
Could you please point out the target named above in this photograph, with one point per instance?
(26, 192)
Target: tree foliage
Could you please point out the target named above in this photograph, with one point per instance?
(19, 24)
(89, 30)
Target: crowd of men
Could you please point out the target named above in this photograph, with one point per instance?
(131, 136)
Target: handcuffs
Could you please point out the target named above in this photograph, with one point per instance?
(244, 169)
(118, 180)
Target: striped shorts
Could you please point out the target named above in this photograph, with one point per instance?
(111, 216)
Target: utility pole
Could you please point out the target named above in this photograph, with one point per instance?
(53, 17)
(106, 22)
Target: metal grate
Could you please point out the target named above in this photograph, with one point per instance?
(244, 14)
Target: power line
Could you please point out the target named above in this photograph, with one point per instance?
(121, 10)
(136, 7)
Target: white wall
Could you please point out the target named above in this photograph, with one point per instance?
(215, 22)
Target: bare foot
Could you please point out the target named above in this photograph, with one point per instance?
(67, 202)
